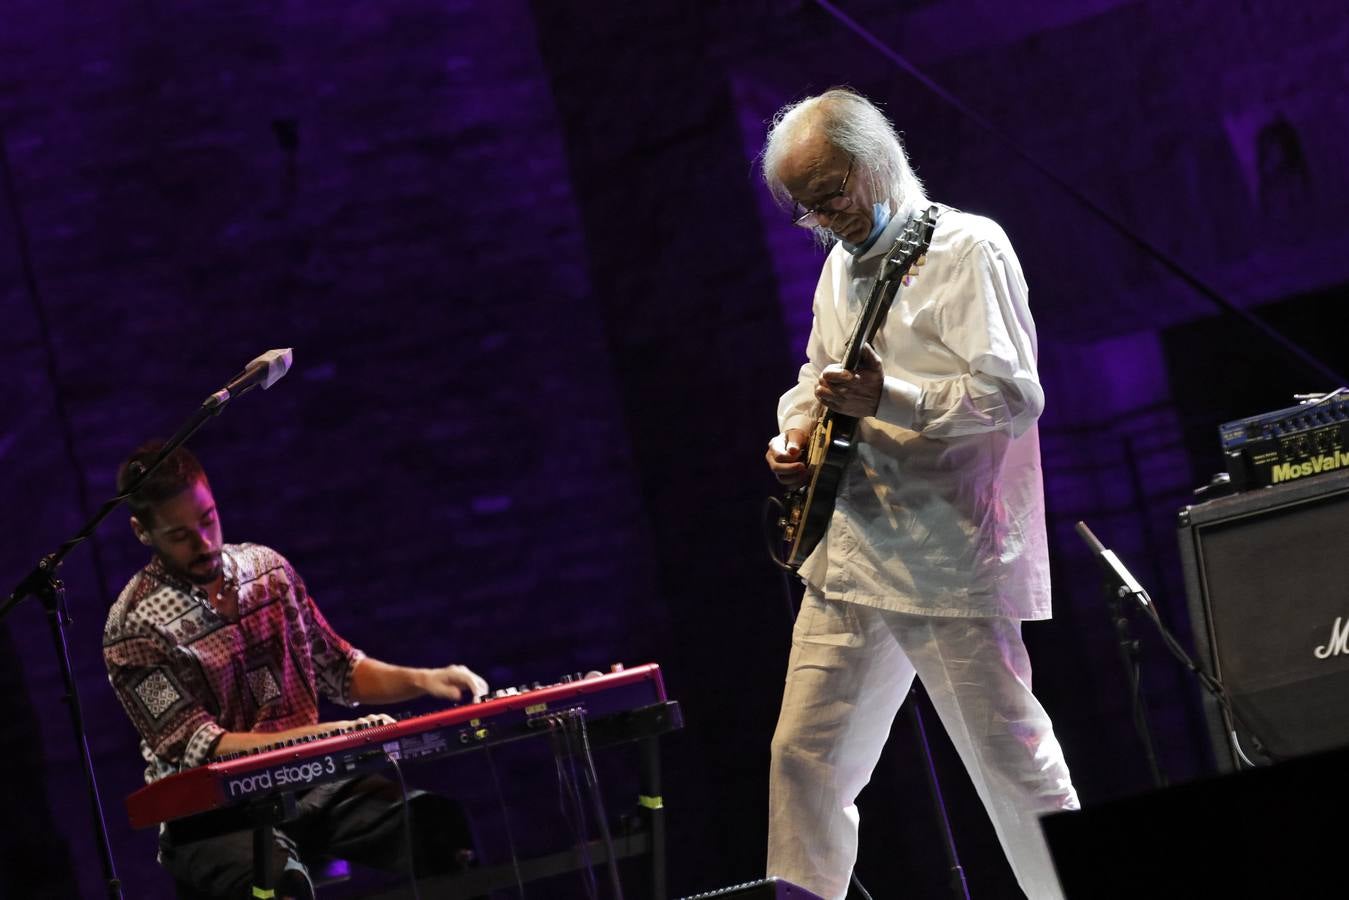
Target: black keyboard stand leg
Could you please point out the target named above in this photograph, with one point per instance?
(265, 817)
(654, 803)
(262, 862)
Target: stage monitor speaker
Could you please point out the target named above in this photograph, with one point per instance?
(1270, 832)
(766, 889)
(1267, 580)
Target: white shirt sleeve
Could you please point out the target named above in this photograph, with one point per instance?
(985, 321)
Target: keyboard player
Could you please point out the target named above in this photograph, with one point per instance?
(218, 648)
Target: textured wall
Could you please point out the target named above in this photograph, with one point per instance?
(386, 191)
(541, 311)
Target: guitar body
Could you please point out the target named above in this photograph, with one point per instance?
(811, 506)
(808, 509)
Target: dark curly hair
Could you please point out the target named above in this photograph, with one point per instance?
(176, 474)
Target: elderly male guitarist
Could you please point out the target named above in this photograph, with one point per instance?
(935, 552)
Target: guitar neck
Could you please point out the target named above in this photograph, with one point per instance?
(872, 318)
(808, 509)
(906, 251)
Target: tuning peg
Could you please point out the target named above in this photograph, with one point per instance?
(906, 280)
(922, 260)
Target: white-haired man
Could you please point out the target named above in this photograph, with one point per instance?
(936, 550)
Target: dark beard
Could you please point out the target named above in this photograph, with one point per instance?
(197, 576)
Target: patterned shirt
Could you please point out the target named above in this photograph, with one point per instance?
(187, 671)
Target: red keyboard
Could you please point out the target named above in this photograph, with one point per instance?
(507, 715)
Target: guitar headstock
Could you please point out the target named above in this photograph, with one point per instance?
(909, 252)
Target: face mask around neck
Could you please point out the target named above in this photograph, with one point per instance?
(880, 217)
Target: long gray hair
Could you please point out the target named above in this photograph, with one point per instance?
(853, 124)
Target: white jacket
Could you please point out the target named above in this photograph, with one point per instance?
(941, 511)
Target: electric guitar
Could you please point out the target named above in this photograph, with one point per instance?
(807, 509)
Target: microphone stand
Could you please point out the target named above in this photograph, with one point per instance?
(960, 889)
(1131, 659)
(43, 583)
(1120, 585)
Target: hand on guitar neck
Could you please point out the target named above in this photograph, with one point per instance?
(856, 393)
(845, 393)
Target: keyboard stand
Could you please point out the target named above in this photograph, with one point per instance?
(644, 726)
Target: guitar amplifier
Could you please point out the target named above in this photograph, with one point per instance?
(1288, 444)
(766, 889)
(1267, 579)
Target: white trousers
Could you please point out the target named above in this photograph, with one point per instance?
(851, 666)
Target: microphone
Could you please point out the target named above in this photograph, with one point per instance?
(263, 372)
(1111, 563)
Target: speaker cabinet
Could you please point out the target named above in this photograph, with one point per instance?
(1267, 582)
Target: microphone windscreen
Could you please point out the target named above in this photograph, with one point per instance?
(1096, 546)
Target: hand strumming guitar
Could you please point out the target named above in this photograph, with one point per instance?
(784, 456)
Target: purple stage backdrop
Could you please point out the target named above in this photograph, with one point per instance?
(541, 311)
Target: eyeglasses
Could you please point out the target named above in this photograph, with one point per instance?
(836, 202)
